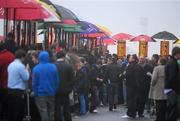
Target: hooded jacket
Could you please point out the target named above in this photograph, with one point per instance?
(45, 78)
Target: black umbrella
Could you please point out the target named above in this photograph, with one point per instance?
(165, 36)
(65, 13)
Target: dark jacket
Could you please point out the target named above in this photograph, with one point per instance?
(134, 75)
(112, 73)
(94, 74)
(171, 75)
(82, 80)
(66, 76)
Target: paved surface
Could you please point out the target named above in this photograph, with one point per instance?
(104, 115)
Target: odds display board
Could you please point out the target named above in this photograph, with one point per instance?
(143, 49)
(121, 49)
(164, 48)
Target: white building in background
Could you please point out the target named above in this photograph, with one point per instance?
(133, 48)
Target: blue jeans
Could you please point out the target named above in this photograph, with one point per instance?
(82, 104)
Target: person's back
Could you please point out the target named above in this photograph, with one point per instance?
(45, 77)
(171, 70)
(6, 58)
(45, 83)
(67, 74)
(112, 72)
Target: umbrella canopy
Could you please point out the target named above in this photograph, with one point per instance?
(69, 21)
(18, 4)
(89, 27)
(109, 41)
(165, 36)
(123, 37)
(94, 35)
(177, 41)
(25, 14)
(66, 13)
(68, 27)
(104, 29)
(143, 38)
(48, 6)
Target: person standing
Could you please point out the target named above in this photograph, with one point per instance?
(95, 77)
(133, 80)
(111, 77)
(172, 85)
(45, 82)
(62, 109)
(18, 76)
(6, 58)
(144, 86)
(157, 88)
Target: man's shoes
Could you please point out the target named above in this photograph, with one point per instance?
(127, 117)
(115, 107)
(94, 111)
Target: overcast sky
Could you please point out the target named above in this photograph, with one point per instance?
(130, 16)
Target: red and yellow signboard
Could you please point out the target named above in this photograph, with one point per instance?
(121, 49)
(143, 49)
(164, 48)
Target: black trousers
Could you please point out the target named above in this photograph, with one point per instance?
(141, 100)
(173, 106)
(161, 110)
(3, 103)
(62, 108)
(16, 105)
(112, 95)
(132, 95)
(94, 97)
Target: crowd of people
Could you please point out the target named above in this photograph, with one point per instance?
(65, 83)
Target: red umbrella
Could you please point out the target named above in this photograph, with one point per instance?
(143, 38)
(25, 14)
(123, 37)
(69, 21)
(18, 4)
(94, 35)
(109, 41)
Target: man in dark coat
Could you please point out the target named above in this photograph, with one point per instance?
(95, 77)
(144, 86)
(172, 85)
(6, 58)
(133, 82)
(111, 77)
(66, 85)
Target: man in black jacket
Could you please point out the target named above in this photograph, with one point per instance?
(111, 77)
(133, 82)
(95, 77)
(62, 96)
(172, 85)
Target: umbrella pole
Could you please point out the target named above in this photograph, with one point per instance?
(6, 32)
(14, 22)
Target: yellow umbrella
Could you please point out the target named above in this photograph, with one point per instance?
(104, 29)
(177, 41)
